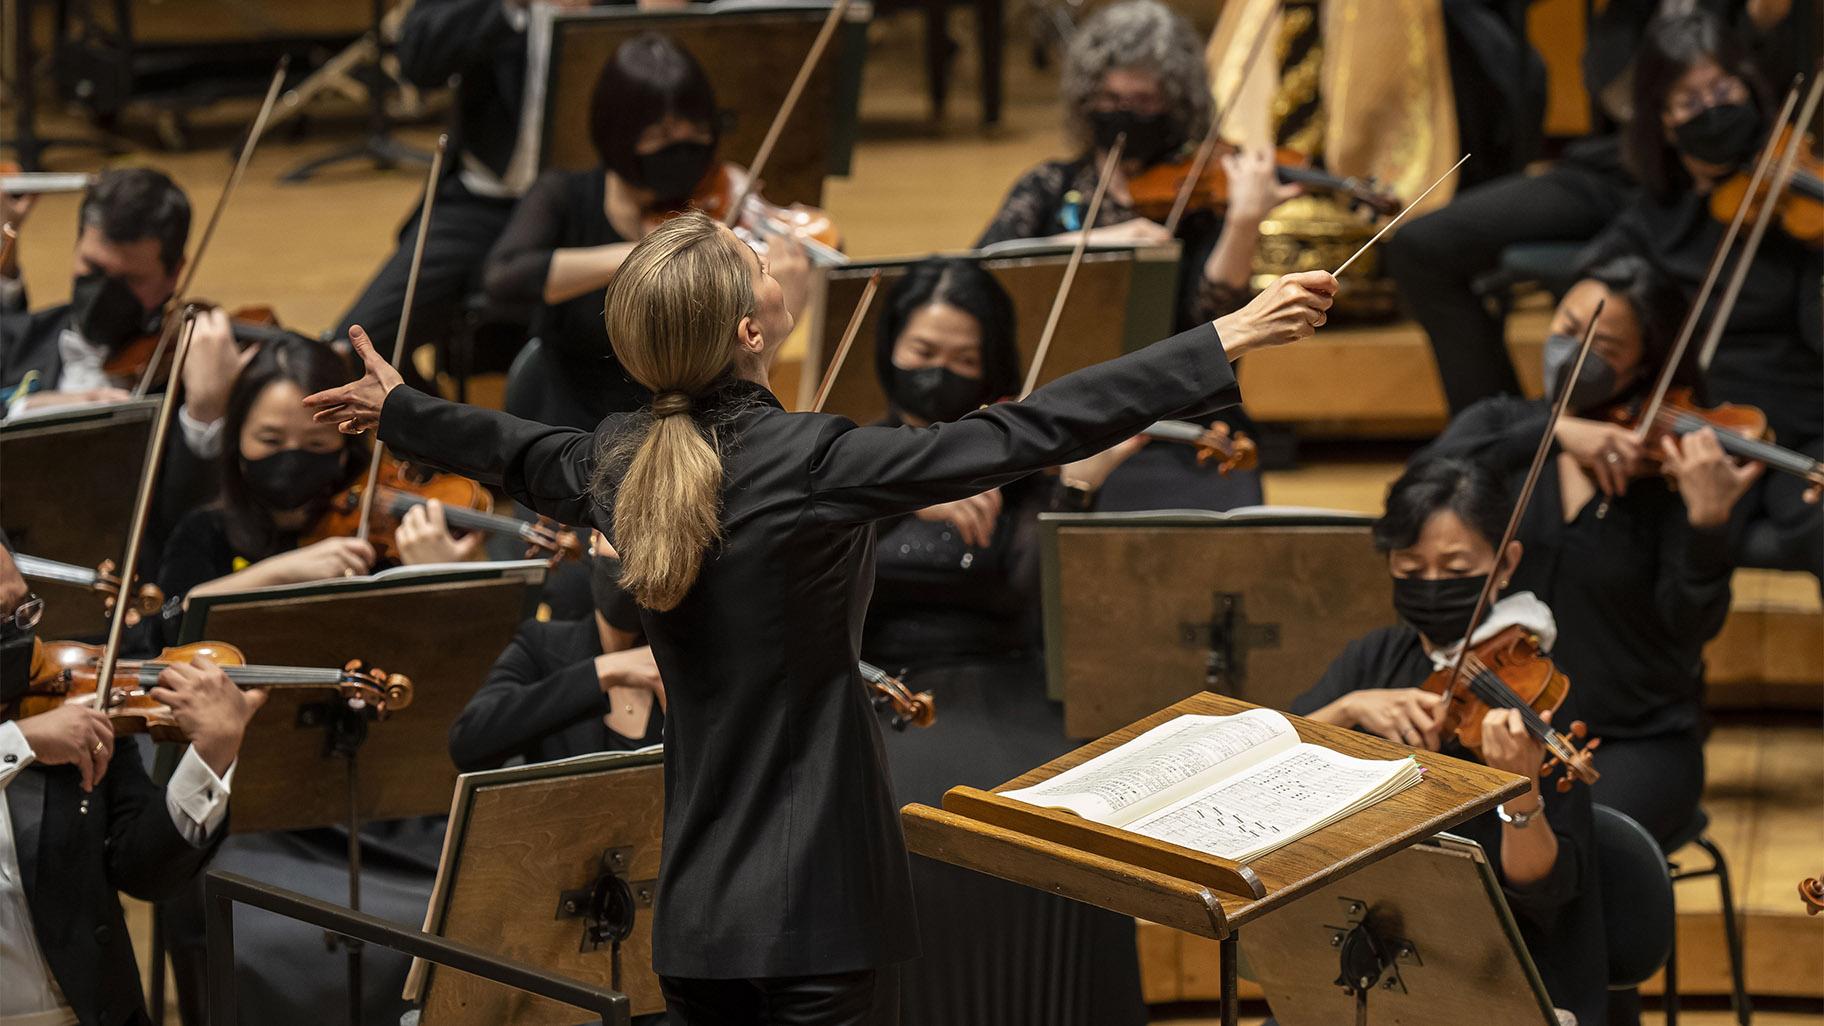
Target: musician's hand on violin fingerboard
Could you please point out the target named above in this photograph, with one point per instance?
(1508, 745)
(212, 710)
(1609, 453)
(211, 366)
(1290, 309)
(1254, 186)
(71, 735)
(355, 407)
(424, 537)
(1709, 481)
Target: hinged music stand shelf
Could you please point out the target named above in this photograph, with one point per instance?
(1184, 889)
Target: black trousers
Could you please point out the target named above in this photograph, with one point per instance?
(464, 227)
(1658, 781)
(869, 997)
(1436, 259)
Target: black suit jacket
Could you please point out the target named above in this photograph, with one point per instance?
(541, 701)
(78, 863)
(473, 39)
(28, 342)
(783, 854)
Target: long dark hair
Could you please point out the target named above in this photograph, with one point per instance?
(312, 366)
(1429, 486)
(1659, 306)
(961, 283)
(648, 79)
(1671, 46)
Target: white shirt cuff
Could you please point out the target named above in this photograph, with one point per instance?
(12, 295)
(196, 798)
(15, 752)
(205, 440)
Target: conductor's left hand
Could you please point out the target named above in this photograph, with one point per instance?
(355, 407)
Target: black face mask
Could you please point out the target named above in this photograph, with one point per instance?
(1595, 385)
(1150, 137)
(15, 661)
(106, 313)
(1439, 609)
(935, 394)
(1723, 135)
(673, 172)
(292, 478)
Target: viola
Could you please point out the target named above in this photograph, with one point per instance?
(908, 708)
(467, 506)
(726, 184)
(1799, 206)
(1741, 430)
(1155, 191)
(1216, 443)
(145, 601)
(1511, 671)
(67, 672)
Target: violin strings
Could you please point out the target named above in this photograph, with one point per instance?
(1496, 691)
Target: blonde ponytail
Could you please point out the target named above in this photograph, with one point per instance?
(672, 314)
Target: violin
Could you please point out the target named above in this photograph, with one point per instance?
(252, 325)
(467, 506)
(726, 185)
(102, 580)
(1799, 206)
(67, 672)
(1511, 671)
(1155, 191)
(1741, 430)
(1216, 443)
(908, 708)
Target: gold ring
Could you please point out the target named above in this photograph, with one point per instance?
(99, 746)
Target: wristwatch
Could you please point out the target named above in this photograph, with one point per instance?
(1518, 820)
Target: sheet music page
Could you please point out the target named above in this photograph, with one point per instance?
(1176, 758)
(1277, 802)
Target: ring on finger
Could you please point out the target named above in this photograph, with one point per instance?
(1612, 456)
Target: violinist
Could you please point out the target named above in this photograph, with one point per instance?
(567, 688)
(1637, 571)
(656, 128)
(955, 608)
(1443, 520)
(278, 472)
(80, 821)
(784, 894)
(1713, 112)
(129, 254)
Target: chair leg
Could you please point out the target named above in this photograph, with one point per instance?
(937, 55)
(1670, 997)
(990, 16)
(1732, 934)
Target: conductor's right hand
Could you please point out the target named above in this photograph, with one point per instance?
(355, 407)
(1286, 311)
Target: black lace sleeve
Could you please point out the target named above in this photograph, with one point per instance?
(1030, 210)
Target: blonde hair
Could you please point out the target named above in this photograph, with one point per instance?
(672, 313)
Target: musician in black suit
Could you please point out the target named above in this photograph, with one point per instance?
(78, 824)
(783, 894)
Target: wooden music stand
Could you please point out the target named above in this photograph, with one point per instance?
(567, 49)
(1448, 948)
(548, 864)
(1121, 301)
(72, 518)
(1142, 609)
(1184, 889)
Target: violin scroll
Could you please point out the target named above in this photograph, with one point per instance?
(908, 708)
(1228, 451)
(1811, 889)
(145, 600)
(1580, 767)
(371, 686)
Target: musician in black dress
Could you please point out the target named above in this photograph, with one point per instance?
(1443, 521)
(955, 607)
(746, 534)
(1637, 572)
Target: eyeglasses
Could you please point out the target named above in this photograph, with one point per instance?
(27, 615)
(1689, 103)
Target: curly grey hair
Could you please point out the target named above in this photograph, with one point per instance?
(1143, 35)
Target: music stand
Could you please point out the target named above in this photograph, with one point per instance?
(442, 626)
(1180, 888)
(553, 864)
(567, 49)
(73, 518)
(1121, 301)
(1424, 938)
(1142, 609)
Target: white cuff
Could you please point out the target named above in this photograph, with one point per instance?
(196, 798)
(205, 440)
(15, 752)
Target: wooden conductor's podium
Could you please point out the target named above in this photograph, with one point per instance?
(751, 52)
(78, 518)
(1121, 301)
(1178, 887)
(1143, 609)
(553, 864)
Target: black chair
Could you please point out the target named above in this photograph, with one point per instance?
(1696, 832)
(539, 389)
(1551, 266)
(1638, 917)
